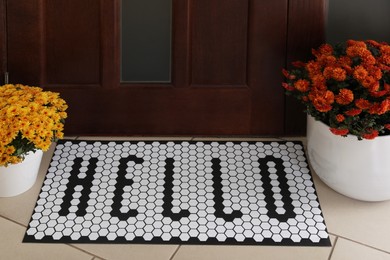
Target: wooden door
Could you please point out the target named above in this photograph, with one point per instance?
(226, 61)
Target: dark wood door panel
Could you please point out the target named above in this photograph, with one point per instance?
(24, 49)
(165, 112)
(55, 42)
(267, 50)
(219, 39)
(72, 36)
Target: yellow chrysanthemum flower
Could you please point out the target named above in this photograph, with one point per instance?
(28, 115)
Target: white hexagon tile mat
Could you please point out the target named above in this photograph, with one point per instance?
(181, 192)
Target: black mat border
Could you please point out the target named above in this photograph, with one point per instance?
(175, 240)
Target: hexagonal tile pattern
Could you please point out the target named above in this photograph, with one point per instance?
(178, 192)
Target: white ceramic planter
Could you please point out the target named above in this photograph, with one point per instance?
(18, 178)
(357, 169)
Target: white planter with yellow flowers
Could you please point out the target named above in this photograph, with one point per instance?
(31, 120)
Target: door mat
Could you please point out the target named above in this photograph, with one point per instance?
(178, 192)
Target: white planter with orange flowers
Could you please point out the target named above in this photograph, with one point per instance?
(357, 169)
(18, 178)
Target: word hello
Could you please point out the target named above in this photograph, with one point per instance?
(122, 181)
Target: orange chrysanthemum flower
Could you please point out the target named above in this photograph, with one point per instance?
(383, 67)
(368, 59)
(345, 61)
(370, 83)
(371, 135)
(385, 59)
(327, 61)
(374, 87)
(380, 108)
(375, 72)
(302, 85)
(318, 82)
(356, 51)
(340, 118)
(339, 74)
(337, 131)
(344, 97)
(362, 103)
(353, 112)
(356, 43)
(323, 50)
(313, 68)
(323, 103)
(375, 109)
(360, 73)
(328, 71)
(374, 43)
(379, 93)
(329, 96)
(385, 49)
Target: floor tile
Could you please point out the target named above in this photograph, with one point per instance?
(364, 222)
(20, 208)
(12, 248)
(126, 252)
(252, 252)
(346, 249)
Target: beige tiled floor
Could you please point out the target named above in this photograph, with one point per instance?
(359, 230)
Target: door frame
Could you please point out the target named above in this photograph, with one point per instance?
(3, 41)
(307, 21)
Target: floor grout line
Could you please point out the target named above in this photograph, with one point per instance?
(13, 221)
(360, 243)
(174, 253)
(84, 251)
(25, 226)
(333, 247)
